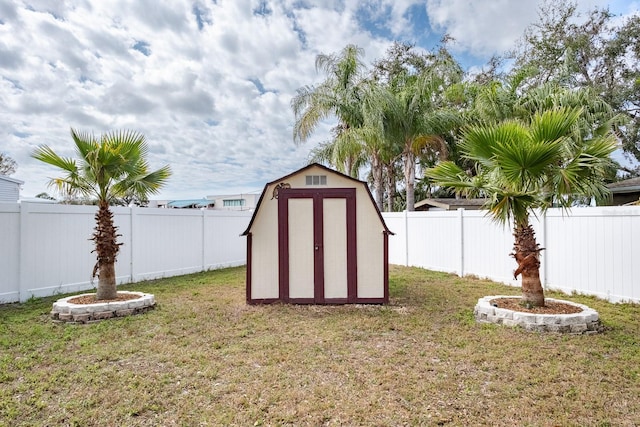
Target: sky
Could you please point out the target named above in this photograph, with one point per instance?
(209, 82)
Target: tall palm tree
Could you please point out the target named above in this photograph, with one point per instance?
(353, 148)
(415, 122)
(418, 114)
(347, 95)
(108, 167)
(343, 152)
(523, 166)
(340, 94)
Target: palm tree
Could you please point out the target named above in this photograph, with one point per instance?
(523, 166)
(348, 96)
(340, 94)
(108, 167)
(415, 123)
(417, 112)
(352, 148)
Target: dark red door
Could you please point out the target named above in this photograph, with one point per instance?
(317, 245)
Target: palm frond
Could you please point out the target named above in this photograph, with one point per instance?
(448, 174)
(108, 167)
(506, 206)
(525, 166)
(551, 125)
(45, 154)
(480, 143)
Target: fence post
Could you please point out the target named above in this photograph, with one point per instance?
(406, 238)
(22, 251)
(461, 241)
(131, 240)
(543, 232)
(204, 240)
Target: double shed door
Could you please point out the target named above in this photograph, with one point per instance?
(317, 245)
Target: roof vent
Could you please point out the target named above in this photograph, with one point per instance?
(316, 180)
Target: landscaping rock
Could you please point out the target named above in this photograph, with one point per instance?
(584, 321)
(66, 311)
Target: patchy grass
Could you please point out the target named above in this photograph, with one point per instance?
(204, 357)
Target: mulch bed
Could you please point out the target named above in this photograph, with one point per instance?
(91, 299)
(551, 307)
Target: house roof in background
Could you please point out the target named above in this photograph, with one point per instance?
(200, 203)
(450, 203)
(8, 178)
(625, 186)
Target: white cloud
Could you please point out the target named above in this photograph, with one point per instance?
(208, 83)
(486, 27)
(482, 27)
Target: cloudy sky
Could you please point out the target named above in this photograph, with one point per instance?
(209, 83)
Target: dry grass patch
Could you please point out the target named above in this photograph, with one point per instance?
(204, 357)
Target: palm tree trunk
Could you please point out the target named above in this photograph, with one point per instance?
(107, 282)
(106, 249)
(348, 167)
(410, 178)
(390, 185)
(376, 171)
(526, 251)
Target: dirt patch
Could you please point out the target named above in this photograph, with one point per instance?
(551, 307)
(91, 299)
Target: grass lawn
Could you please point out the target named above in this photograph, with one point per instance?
(204, 357)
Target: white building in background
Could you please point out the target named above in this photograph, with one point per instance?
(9, 189)
(230, 202)
(235, 202)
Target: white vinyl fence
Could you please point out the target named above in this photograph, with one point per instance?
(45, 249)
(594, 251)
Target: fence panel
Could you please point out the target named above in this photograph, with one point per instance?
(167, 242)
(595, 251)
(123, 219)
(434, 240)
(487, 246)
(46, 248)
(55, 249)
(396, 223)
(9, 252)
(588, 250)
(220, 228)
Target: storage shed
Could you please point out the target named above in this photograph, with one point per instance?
(317, 237)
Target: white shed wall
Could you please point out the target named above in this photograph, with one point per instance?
(370, 248)
(264, 249)
(370, 245)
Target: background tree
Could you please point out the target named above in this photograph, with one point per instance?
(416, 114)
(339, 95)
(596, 51)
(109, 167)
(522, 166)
(343, 152)
(397, 112)
(45, 196)
(508, 96)
(8, 166)
(347, 95)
